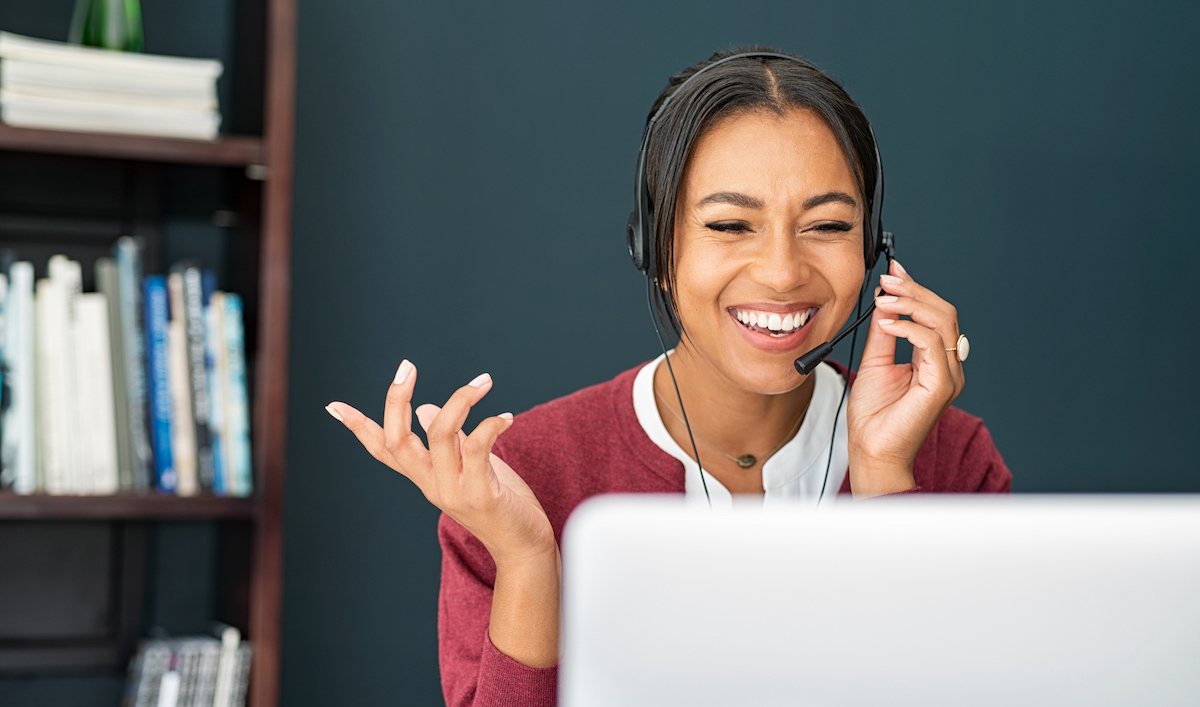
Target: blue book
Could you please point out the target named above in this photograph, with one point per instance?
(162, 408)
(237, 407)
(214, 356)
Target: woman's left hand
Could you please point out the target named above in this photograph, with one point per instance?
(893, 407)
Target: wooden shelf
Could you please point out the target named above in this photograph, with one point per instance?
(123, 507)
(232, 150)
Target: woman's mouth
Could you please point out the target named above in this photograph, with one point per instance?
(773, 324)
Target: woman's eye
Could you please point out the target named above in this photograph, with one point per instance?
(833, 226)
(728, 226)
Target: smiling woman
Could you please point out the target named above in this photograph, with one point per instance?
(760, 245)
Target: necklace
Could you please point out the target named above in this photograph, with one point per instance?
(746, 460)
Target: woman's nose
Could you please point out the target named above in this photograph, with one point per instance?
(779, 264)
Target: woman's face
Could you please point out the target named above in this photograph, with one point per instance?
(768, 245)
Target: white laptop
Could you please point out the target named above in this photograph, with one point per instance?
(924, 601)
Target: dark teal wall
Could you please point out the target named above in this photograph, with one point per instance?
(463, 179)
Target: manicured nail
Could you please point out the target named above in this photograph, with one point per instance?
(886, 299)
(886, 322)
(480, 380)
(505, 416)
(329, 409)
(878, 290)
(403, 372)
(899, 268)
(890, 280)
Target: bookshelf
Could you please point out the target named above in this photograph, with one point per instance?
(250, 571)
(229, 150)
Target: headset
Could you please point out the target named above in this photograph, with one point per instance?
(639, 233)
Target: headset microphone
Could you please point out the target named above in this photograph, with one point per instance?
(809, 361)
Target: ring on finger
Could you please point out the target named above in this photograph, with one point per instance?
(962, 349)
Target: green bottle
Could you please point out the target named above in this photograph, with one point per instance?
(108, 24)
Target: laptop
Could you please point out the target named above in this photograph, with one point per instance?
(929, 601)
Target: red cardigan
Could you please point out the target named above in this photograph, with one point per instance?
(589, 443)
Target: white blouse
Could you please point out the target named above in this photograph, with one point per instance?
(794, 474)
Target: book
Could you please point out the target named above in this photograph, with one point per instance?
(193, 305)
(241, 675)
(32, 111)
(43, 51)
(161, 407)
(56, 415)
(189, 671)
(129, 283)
(93, 397)
(183, 430)
(53, 85)
(225, 683)
(237, 408)
(152, 661)
(18, 449)
(218, 373)
(108, 283)
(104, 85)
(212, 355)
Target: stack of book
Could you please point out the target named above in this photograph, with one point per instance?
(139, 386)
(192, 671)
(60, 86)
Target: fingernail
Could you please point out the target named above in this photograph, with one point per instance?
(886, 299)
(480, 380)
(878, 290)
(899, 267)
(505, 416)
(890, 280)
(329, 409)
(402, 372)
(887, 322)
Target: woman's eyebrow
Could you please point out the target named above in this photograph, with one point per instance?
(749, 202)
(733, 198)
(830, 197)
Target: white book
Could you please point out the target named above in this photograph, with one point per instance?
(15, 46)
(79, 104)
(227, 667)
(7, 472)
(56, 114)
(54, 375)
(85, 98)
(14, 72)
(18, 449)
(94, 377)
(25, 117)
(69, 274)
(183, 440)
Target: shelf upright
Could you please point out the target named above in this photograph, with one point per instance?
(270, 410)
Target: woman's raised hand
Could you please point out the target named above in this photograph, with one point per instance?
(893, 407)
(458, 473)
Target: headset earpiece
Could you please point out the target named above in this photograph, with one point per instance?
(634, 237)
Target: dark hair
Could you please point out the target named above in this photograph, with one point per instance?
(737, 86)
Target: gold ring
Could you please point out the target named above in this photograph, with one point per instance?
(962, 350)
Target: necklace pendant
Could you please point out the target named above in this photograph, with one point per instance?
(747, 460)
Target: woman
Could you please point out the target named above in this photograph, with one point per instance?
(756, 174)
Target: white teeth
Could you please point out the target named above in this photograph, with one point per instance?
(775, 322)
